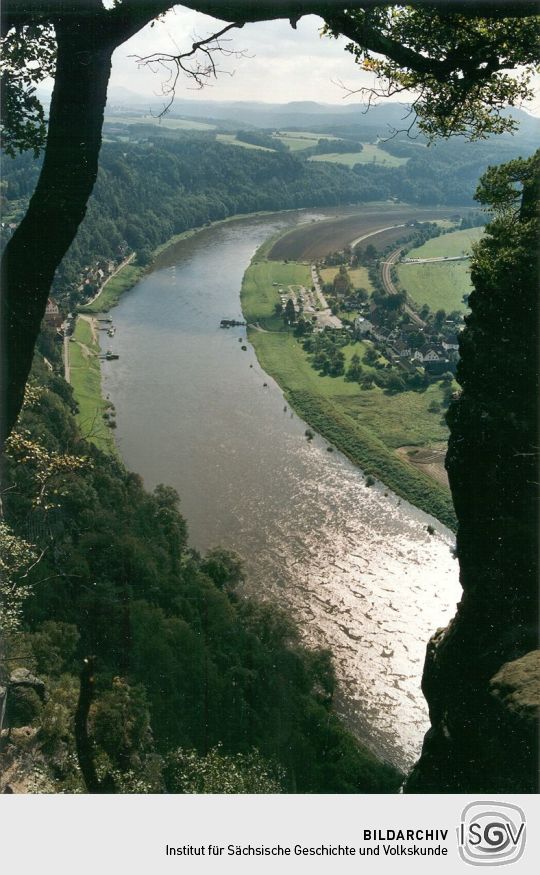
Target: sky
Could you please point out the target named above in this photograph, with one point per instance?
(281, 64)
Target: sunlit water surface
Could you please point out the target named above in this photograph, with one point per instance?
(355, 566)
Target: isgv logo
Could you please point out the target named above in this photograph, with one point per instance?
(491, 833)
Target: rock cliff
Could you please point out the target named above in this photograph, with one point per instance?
(481, 677)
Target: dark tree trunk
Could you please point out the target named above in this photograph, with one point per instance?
(83, 743)
(58, 204)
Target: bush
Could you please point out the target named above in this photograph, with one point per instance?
(23, 706)
(217, 772)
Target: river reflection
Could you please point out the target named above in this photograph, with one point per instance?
(354, 565)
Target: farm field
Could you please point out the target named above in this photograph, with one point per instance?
(315, 240)
(439, 284)
(369, 426)
(359, 276)
(179, 124)
(299, 140)
(456, 243)
(370, 154)
(230, 140)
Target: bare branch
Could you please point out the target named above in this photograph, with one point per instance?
(198, 63)
(370, 96)
(33, 565)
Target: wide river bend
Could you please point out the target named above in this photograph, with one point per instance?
(355, 566)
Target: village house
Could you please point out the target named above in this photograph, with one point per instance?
(362, 326)
(451, 343)
(431, 355)
(52, 314)
(403, 349)
(437, 368)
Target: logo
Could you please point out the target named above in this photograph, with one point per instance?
(491, 833)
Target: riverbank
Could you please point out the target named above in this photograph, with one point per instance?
(129, 274)
(368, 426)
(94, 412)
(82, 365)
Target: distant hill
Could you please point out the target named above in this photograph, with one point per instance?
(347, 119)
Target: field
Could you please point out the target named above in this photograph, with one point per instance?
(370, 154)
(85, 377)
(456, 243)
(369, 426)
(439, 284)
(259, 295)
(359, 277)
(230, 140)
(179, 124)
(299, 140)
(317, 239)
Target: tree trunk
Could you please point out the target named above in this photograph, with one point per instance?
(85, 753)
(58, 204)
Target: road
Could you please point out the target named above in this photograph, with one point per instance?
(353, 243)
(325, 318)
(437, 258)
(126, 261)
(67, 372)
(390, 287)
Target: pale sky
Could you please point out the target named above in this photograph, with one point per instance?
(282, 64)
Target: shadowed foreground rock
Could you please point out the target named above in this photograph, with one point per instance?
(481, 677)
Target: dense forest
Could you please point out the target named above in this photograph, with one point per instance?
(156, 186)
(196, 687)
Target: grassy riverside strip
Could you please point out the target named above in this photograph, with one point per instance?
(367, 426)
(113, 290)
(85, 374)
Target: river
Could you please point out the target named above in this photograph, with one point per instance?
(355, 566)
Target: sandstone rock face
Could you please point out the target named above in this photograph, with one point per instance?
(516, 686)
(481, 673)
(21, 677)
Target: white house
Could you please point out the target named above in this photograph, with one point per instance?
(362, 326)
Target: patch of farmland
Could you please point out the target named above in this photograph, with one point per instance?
(317, 239)
(230, 140)
(370, 154)
(179, 124)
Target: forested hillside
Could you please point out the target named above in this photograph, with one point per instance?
(196, 687)
(155, 186)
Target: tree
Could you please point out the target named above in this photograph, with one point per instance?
(457, 62)
(289, 315)
(354, 371)
(455, 59)
(439, 318)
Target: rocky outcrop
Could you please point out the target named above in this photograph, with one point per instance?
(481, 676)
